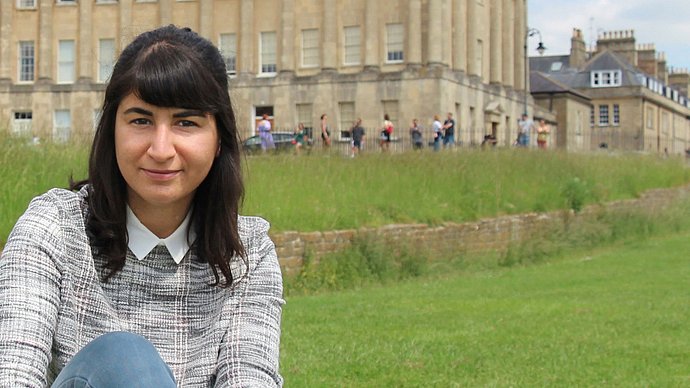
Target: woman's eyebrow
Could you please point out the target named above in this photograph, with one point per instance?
(189, 113)
(139, 111)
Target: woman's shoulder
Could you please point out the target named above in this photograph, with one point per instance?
(252, 226)
(60, 200)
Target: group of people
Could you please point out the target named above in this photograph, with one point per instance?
(526, 127)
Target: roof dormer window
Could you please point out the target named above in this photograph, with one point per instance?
(606, 78)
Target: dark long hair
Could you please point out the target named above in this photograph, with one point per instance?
(170, 67)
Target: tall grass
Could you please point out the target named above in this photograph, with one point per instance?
(324, 193)
(329, 191)
(27, 170)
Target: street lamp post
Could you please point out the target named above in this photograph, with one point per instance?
(540, 49)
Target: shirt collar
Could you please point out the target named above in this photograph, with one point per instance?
(142, 240)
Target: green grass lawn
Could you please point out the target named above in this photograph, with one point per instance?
(615, 317)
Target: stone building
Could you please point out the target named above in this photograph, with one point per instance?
(636, 103)
(292, 59)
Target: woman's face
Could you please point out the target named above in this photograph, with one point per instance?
(163, 153)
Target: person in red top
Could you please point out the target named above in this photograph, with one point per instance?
(386, 132)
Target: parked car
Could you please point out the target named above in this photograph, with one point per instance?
(282, 141)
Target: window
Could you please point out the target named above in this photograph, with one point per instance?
(66, 1)
(591, 116)
(603, 115)
(228, 49)
(62, 125)
(21, 125)
(26, 4)
(394, 43)
(26, 61)
(605, 78)
(351, 46)
(347, 118)
(106, 58)
(616, 114)
(391, 108)
(310, 48)
(304, 116)
(650, 118)
(106, 1)
(268, 53)
(665, 122)
(65, 61)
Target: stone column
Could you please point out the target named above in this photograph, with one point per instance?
(287, 24)
(472, 14)
(508, 43)
(496, 50)
(206, 27)
(43, 51)
(519, 43)
(246, 51)
(371, 36)
(5, 40)
(329, 54)
(435, 36)
(414, 33)
(460, 35)
(86, 47)
(126, 31)
(165, 12)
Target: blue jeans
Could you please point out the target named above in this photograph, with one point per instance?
(449, 140)
(523, 139)
(118, 359)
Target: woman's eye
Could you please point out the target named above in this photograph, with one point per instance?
(140, 121)
(186, 123)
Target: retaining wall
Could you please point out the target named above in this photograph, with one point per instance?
(482, 236)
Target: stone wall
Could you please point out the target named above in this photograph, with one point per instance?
(482, 236)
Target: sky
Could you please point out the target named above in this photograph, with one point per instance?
(665, 23)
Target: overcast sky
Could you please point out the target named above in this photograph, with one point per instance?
(666, 23)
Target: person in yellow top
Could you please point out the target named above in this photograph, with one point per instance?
(543, 131)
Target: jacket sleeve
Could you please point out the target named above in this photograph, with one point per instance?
(249, 352)
(29, 296)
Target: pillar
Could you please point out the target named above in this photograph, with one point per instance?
(435, 36)
(246, 51)
(472, 14)
(287, 25)
(496, 49)
(165, 12)
(414, 33)
(460, 35)
(85, 62)
(371, 36)
(43, 50)
(519, 43)
(329, 51)
(508, 43)
(206, 27)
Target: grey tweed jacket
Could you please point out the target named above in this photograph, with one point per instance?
(52, 303)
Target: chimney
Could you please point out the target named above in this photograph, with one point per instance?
(578, 52)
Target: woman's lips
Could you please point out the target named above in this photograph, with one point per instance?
(161, 175)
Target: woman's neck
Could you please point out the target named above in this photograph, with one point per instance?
(161, 221)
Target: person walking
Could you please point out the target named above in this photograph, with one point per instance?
(264, 130)
(300, 138)
(449, 131)
(325, 131)
(438, 132)
(386, 133)
(543, 132)
(357, 133)
(525, 127)
(416, 135)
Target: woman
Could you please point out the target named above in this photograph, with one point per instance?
(543, 131)
(438, 132)
(300, 137)
(325, 131)
(386, 132)
(147, 275)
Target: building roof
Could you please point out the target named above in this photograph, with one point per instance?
(550, 63)
(547, 83)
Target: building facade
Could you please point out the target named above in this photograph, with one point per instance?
(636, 103)
(291, 59)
